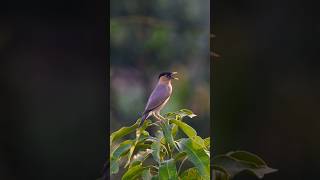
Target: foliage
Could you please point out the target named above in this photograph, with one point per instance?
(226, 166)
(162, 155)
(164, 149)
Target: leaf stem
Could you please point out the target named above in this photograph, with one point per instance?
(182, 164)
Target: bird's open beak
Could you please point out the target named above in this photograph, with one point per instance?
(173, 73)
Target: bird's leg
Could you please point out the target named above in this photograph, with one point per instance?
(156, 116)
(161, 117)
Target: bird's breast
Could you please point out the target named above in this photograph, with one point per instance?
(170, 88)
(158, 109)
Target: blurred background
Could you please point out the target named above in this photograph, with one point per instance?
(150, 37)
(266, 84)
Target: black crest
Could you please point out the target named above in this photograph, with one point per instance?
(165, 74)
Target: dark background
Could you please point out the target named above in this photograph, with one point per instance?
(53, 100)
(266, 84)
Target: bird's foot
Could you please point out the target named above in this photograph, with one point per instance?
(157, 117)
(161, 117)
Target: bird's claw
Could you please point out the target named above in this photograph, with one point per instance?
(161, 117)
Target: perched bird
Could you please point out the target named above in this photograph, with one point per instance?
(159, 96)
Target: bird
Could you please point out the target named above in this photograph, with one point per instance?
(159, 96)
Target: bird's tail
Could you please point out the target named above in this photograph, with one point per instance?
(144, 117)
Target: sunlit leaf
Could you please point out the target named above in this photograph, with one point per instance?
(144, 126)
(168, 170)
(194, 149)
(181, 113)
(140, 157)
(123, 131)
(141, 146)
(155, 146)
(174, 130)
(207, 143)
(188, 130)
(115, 156)
(188, 113)
(132, 148)
(191, 174)
(167, 132)
(170, 115)
(133, 172)
(139, 137)
(199, 141)
(197, 156)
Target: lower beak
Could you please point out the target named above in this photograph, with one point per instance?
(175, 77)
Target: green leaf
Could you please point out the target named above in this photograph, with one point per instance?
(197, 155)
(140, 157)
(144, 126)
(156, 177)
(188, 130)
(247, 156)
(115, 156)
(234, 166)
(174, 130)
(168, 170)
(130, 155)
(139, 137)
(181, 113)
(123, 131)
(188, 113)
(145, 133)
(180, 156)
(114, 166)
(191, 174)
(207, 143)
(131, 151)
(167, 132)
(141, 146)
(133, 172)
(199, 141)
(155, 146)
(172, 115)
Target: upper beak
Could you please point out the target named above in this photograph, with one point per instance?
(173, 73)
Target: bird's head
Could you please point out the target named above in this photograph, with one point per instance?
(167, 76)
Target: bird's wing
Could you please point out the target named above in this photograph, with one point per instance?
(157, 97)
